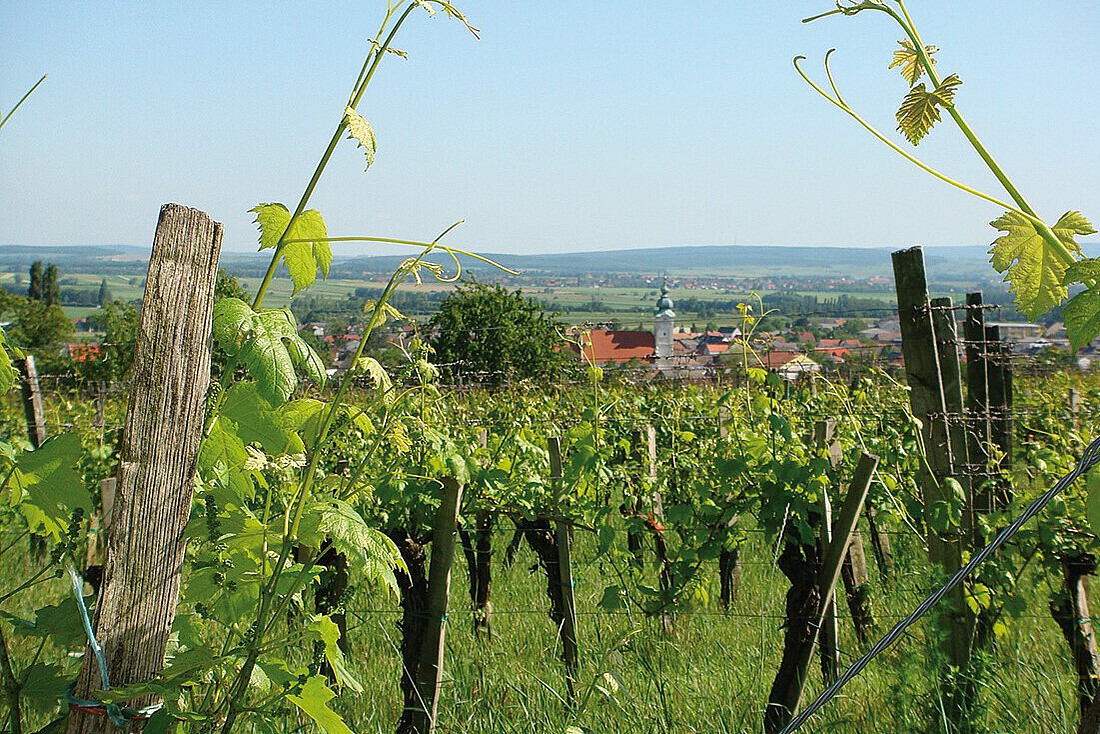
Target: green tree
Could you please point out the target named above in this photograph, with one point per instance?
(119, 323)
(105, 296)
(227, 286)
(36, 291)
(490, 334)
(40, 325)
(51, 288)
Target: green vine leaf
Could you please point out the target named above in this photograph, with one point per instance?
(268, 346)
(361, 131)
(908, 60)
(8, 374)
(47, 481)
(374, 555)
(920, 110)
(1081, 313)
(325, 631)
(313, 701)
(305, 245)
(1034, 271)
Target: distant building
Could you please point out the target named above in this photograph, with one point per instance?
(617, 347)
(663, 321)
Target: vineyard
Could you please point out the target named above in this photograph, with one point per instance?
(207, 530)
(685, 506)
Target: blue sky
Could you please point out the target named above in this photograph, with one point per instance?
(570, 126)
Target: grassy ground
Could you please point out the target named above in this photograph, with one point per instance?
(712, 676)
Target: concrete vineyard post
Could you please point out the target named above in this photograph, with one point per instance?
(157, 457)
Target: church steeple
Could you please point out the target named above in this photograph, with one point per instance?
(662, 328)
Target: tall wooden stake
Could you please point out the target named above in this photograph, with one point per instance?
(801, 637)
(32, 402)
(570, 652)
(927, 358)
(160, 446)
(430, 670)
(825, 438)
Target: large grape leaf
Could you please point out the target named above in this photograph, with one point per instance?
(268, 345)
(1034, 271)
(373, 555)
(305, 247)
(361, 131)
(256, 422)
(47, 487)
(1081, 313)
(920, 110)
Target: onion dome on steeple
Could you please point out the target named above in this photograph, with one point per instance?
(664, 303)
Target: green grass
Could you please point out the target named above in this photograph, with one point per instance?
(713, 676)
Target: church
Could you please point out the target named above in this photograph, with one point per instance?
(662, 349)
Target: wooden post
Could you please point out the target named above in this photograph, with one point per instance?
(430, 670)
(880, 544)
(801, 637)
(99, 524)
(999, 371)
(157, 457)
(928, 397)
(32, 402)
(1070, 610)
(658, 523)
(570, 652)
(825, 439)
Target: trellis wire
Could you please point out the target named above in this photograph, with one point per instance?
(1089, 459)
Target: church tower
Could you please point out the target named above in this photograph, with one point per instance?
(662, 329)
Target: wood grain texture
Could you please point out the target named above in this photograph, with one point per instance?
(157, 458)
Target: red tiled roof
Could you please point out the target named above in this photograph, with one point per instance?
(619, 346)
(775, 360)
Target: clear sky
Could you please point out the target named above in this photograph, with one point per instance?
(572, 125)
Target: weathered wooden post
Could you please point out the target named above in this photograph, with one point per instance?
(157, 458)
(569, 649)
(32, 401)
(825, 439)
(422, 718)
(1070, 610)
(932, 372)
(478, 549)
(805, 611)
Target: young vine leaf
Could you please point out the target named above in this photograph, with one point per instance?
(908, 59)
(313, 701)
(920, 110)
(8, 375)
(1081, 314)
(361, 131)
(268, 346)
(305, 248)
(1034, 271)
(325, 631)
